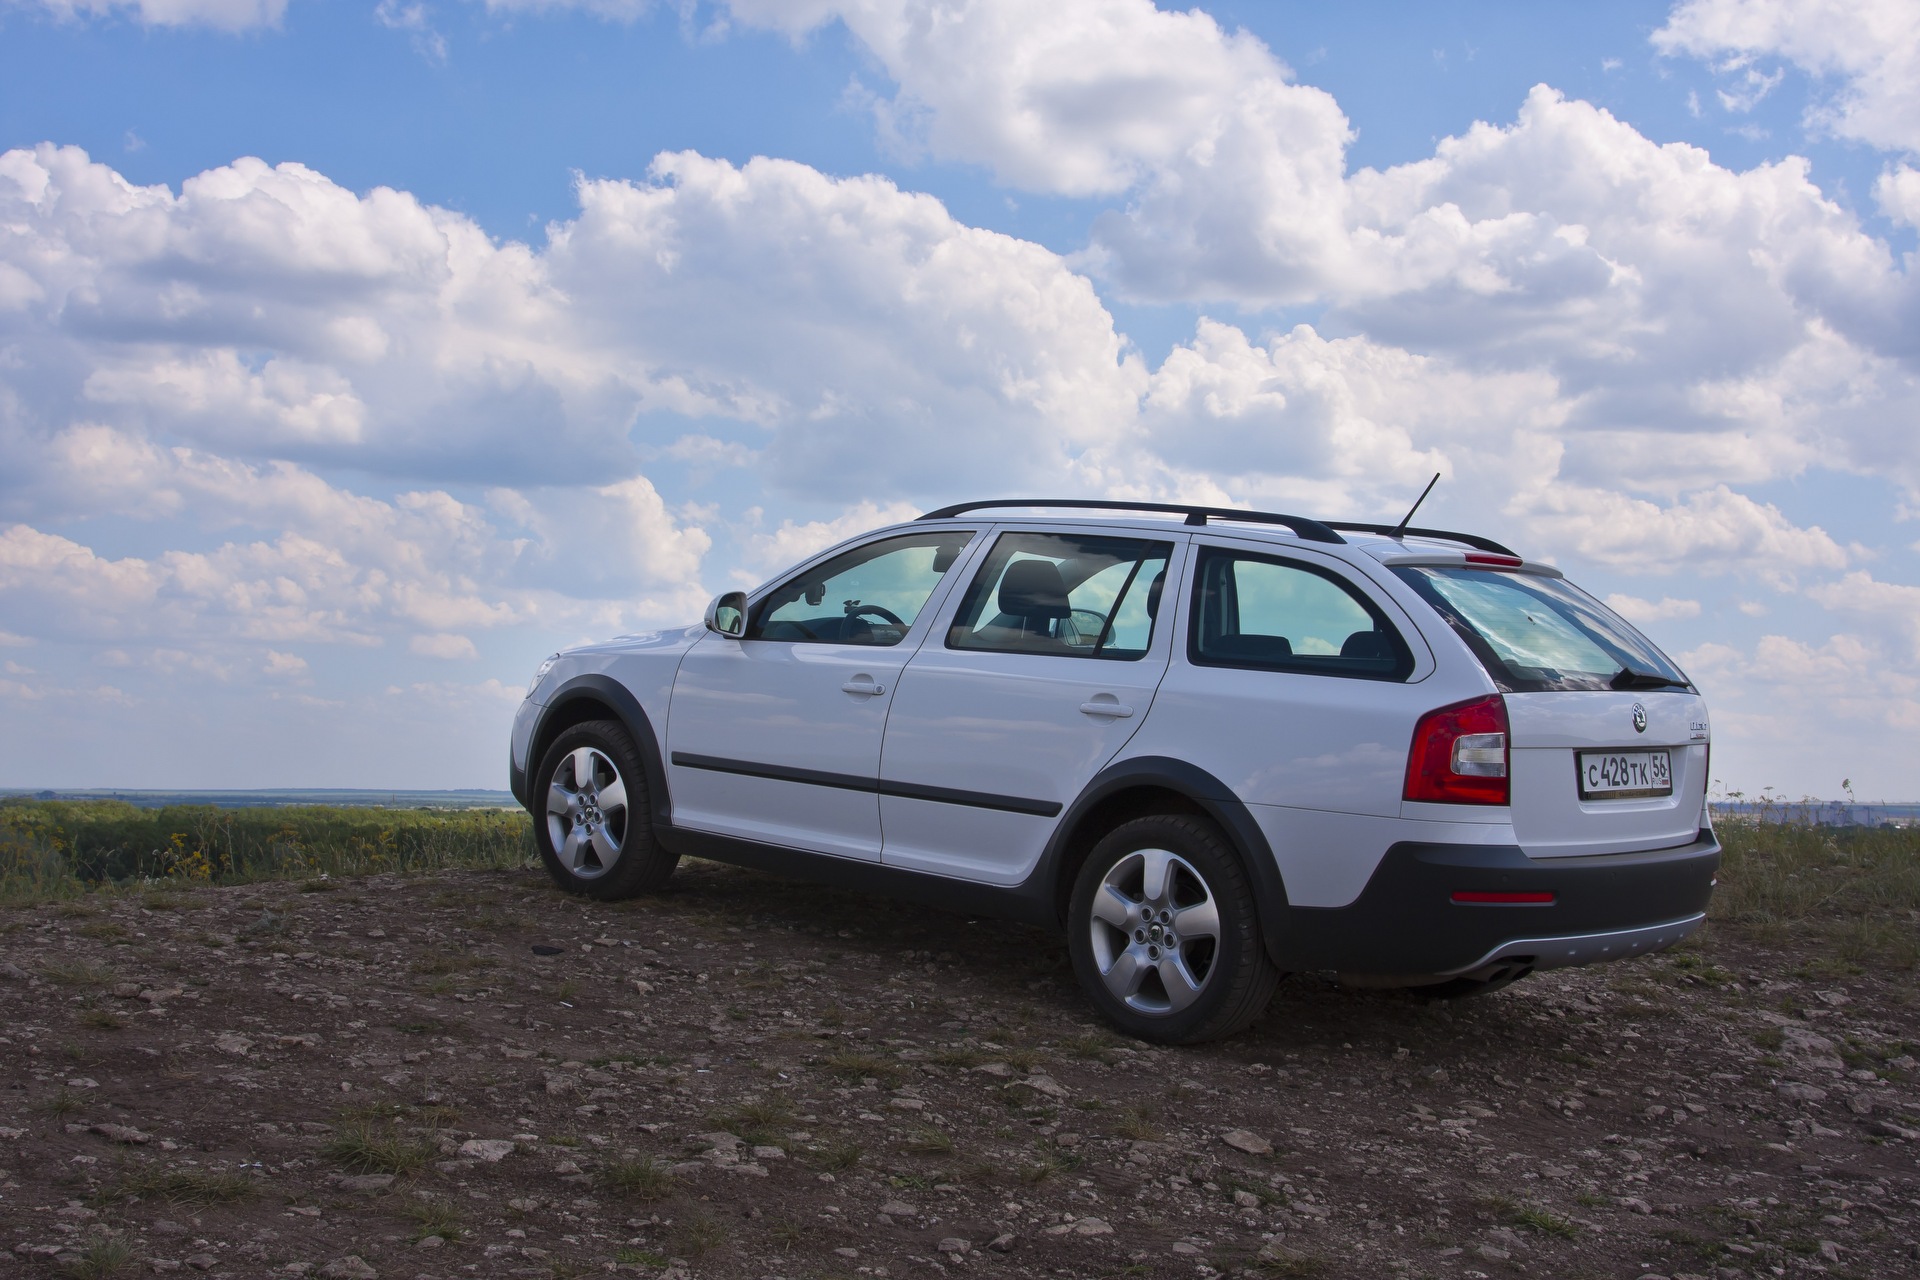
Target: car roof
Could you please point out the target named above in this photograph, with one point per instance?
(1383, 541)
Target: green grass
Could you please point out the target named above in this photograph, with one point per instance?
(838, 1157)
(856, 1067)
(58, 850)
(928, 1141)
(180, 1186)
(1851, 889)
(642, 1179)
(374, 1144)
(107, 1256)
(435, 1218)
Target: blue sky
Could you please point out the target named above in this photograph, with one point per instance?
(355, 355)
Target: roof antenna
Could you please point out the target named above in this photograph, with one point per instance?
(1400, 529)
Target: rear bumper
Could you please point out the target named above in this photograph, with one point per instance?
(1406, 921)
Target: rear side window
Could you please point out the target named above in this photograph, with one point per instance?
(1534, 633)
(1273, 614)
(1064, 594)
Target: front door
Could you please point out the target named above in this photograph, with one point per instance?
(1003, 716)
(776, 736)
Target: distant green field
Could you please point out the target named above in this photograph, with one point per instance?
(60, 848)
(1852, 891)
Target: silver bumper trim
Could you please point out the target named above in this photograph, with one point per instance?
(1587, 948)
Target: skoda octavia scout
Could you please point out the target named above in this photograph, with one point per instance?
(1212, 745)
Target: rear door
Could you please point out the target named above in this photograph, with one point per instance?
(1044, 669)
(1609, 740)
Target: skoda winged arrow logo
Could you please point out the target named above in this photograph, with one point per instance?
(1639, 718)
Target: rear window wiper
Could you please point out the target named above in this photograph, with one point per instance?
(1628, 678)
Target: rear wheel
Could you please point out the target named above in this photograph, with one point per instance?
(591, 820)
(1163, 935)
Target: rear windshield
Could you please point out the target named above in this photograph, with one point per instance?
(1535, 633)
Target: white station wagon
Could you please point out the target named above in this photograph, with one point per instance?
(1214, 745)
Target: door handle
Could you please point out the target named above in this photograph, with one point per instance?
(1108, 707)
(864, 685)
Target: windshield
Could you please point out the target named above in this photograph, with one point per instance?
(1534, 633)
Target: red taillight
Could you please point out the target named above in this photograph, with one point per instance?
(1459, 754)
(1476, 898)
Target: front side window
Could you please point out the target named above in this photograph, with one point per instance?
(1066, 594)
(1282, 615)
(870, 595)
(1535, 633)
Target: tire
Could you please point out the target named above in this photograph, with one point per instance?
(1159, 965)
(592, 821)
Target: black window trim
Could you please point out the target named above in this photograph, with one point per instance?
(1405, 663)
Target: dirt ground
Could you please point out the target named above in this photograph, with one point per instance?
(471, 1074)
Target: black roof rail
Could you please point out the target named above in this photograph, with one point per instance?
(1309, 530)
(1470, 539)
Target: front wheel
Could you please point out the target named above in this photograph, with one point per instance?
(1163, 934)
(591, 819)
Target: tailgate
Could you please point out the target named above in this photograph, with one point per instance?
(1587, 779)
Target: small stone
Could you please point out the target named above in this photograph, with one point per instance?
(83, 1082)
(163, 1264)
(847, 1253)
(168, 1227)
(367, 1183)
(491, 1150)
(1045, 1085)
(1860, 1104)
(955, 1245)
(1251, 1143)
(200, 1261)
(1634, 1204)
(1492, 1254)
(1002, 1243)
(234, 1045)
(769, 1153)
(1798, 1092)
(1000, 1070)
(1555, 1171)
(1246, 1199)
(1888, 1128)
(898, 1209)
(122, 1133)
(351, 1267)
(1091, 1227)
(1184, 1249)
(429, 1242)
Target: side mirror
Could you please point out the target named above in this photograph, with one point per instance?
(728, 614)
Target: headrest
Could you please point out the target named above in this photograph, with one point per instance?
(1033, 589)
(1366, 644)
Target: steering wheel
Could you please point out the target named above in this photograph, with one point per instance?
(855, 610)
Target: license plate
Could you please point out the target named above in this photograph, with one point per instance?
(1624, 775)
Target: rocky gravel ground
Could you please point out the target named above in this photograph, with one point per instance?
(470, 1074)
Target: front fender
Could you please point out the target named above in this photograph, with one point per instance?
(577, 700)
